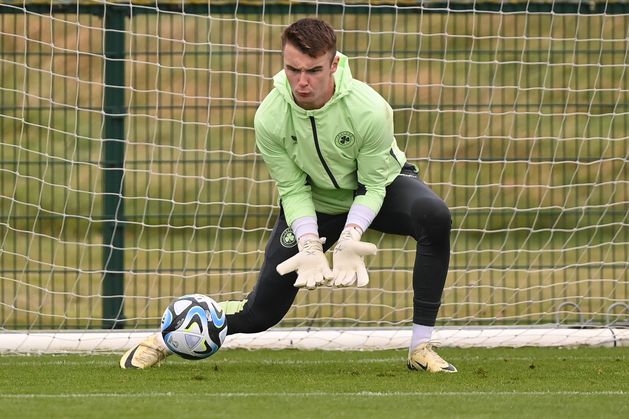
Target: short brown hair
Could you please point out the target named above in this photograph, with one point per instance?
(313, 37)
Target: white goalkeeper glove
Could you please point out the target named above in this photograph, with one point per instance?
(310, 263)
(347, 261)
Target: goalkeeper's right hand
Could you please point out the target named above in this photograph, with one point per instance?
(310, 263)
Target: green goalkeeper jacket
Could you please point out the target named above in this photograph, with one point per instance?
(326, 159)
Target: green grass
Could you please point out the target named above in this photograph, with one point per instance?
(504, 382)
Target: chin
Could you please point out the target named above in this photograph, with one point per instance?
(305, 104)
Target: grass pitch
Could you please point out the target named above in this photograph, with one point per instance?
(491, 383)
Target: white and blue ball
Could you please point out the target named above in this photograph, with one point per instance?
(194, 326)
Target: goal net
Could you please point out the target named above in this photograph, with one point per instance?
(130, 176)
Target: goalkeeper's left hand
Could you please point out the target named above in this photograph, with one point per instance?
(347, 260)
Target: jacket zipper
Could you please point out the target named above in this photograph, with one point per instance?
(316, 142)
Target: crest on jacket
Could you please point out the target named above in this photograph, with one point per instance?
(344, 139)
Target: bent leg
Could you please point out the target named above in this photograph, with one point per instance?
(273, 293)
(411, 208)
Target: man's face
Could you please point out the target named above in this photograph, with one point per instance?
(311, 79)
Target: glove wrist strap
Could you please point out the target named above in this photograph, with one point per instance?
(351, 232)
(310, 243)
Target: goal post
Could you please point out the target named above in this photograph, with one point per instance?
(130, 177)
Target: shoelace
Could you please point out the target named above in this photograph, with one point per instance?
(432, 355)
(150, 354)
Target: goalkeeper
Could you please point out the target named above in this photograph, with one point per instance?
(327, 140)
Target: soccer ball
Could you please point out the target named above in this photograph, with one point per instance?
(194, 326)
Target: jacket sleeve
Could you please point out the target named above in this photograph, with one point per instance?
(292, 185)
(376, 159)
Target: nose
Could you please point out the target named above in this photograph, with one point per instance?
(303, 79)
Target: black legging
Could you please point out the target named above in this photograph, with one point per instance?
(410, 208)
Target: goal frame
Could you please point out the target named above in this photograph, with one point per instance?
(614, 333)
(349, 339)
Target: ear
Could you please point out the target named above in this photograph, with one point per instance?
(335, 63)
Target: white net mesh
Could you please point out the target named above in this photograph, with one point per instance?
(517, 117)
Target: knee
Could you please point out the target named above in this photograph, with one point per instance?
(433, 217)
(247, 321)
(262, 323)
(259, 326)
